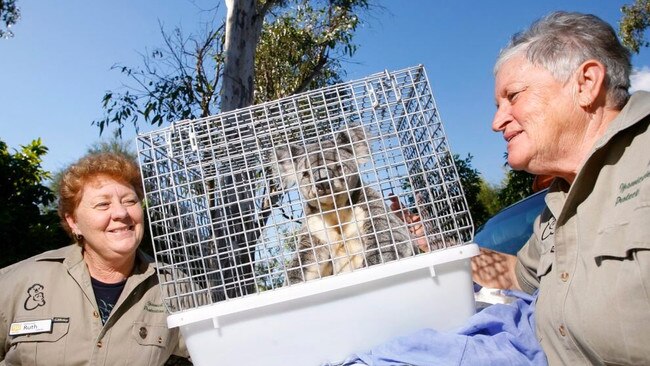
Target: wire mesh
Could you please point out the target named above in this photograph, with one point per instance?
(299, 188)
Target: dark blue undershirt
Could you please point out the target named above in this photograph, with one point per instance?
(106, 295)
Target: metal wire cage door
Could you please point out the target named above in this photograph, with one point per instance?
(228, 196)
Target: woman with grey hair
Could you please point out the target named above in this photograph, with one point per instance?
(563, 107)
(564, 110)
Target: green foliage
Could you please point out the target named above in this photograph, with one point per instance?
(632, 26)
(489, 198)
(177, 81)
(301, 46)
(28, 224)
(302, 49)
(9, 15)
(471, 181)
(517, 185)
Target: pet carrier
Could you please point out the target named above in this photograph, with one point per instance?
(273, 229)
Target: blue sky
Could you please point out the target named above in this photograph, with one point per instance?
(56, 69)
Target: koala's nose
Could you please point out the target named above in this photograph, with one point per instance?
(322, 187)
(322, 181)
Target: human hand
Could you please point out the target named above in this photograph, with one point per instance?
(412, 220)
(495, 270)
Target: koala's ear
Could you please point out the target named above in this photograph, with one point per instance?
(284, 163)
(356, 137)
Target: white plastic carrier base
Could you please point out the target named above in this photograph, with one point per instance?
(325, 321)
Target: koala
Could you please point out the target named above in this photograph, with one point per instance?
(346, 225)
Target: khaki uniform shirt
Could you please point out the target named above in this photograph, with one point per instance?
(56, 286)
(590, 252)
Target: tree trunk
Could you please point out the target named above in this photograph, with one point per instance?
(234, 212)
(243, 28)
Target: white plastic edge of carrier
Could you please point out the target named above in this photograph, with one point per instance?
(320, 286)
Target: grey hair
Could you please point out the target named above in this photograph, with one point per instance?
(561, 41)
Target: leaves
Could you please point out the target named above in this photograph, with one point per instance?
(9, 15)
(472, 183)
(632, 26)
(517, 185)
(301, 47)
(28, 222)
(175, 82)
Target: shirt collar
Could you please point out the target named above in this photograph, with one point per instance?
(635, 110)
(72, 255)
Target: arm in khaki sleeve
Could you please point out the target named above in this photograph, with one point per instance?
(4, 321)
(528, 259)
(3, 338)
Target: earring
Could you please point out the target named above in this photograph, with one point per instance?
(78, 237)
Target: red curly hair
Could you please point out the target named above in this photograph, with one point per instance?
(116, 166)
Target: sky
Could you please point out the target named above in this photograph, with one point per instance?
(55, 71)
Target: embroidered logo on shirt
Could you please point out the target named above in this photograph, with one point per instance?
(549, 229)
(35, 297)
(154, 308)
(630, 190)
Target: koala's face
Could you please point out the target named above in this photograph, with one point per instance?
(327, 175)
(326, 172)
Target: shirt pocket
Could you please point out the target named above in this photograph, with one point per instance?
(151, 343)
(624, 256)
(38, 349)
(626, 239)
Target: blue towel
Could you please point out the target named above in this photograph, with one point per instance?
(501, 334)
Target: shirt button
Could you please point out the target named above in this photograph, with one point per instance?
(95, 314)
(143, 332)
(562, 331)
(564, 276)
(159, 339)
(99, 344)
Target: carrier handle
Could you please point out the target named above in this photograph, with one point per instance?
(393, 83)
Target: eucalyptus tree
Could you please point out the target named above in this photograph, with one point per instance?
(271, 49)
(633, 24)
(9, 15)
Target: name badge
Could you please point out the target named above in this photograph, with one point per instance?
(31, 327)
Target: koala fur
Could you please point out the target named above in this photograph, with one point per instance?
(346, 224)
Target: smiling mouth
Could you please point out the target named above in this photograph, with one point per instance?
(121, 230)
(509, 138)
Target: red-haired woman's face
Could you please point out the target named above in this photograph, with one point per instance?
(109, 217)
